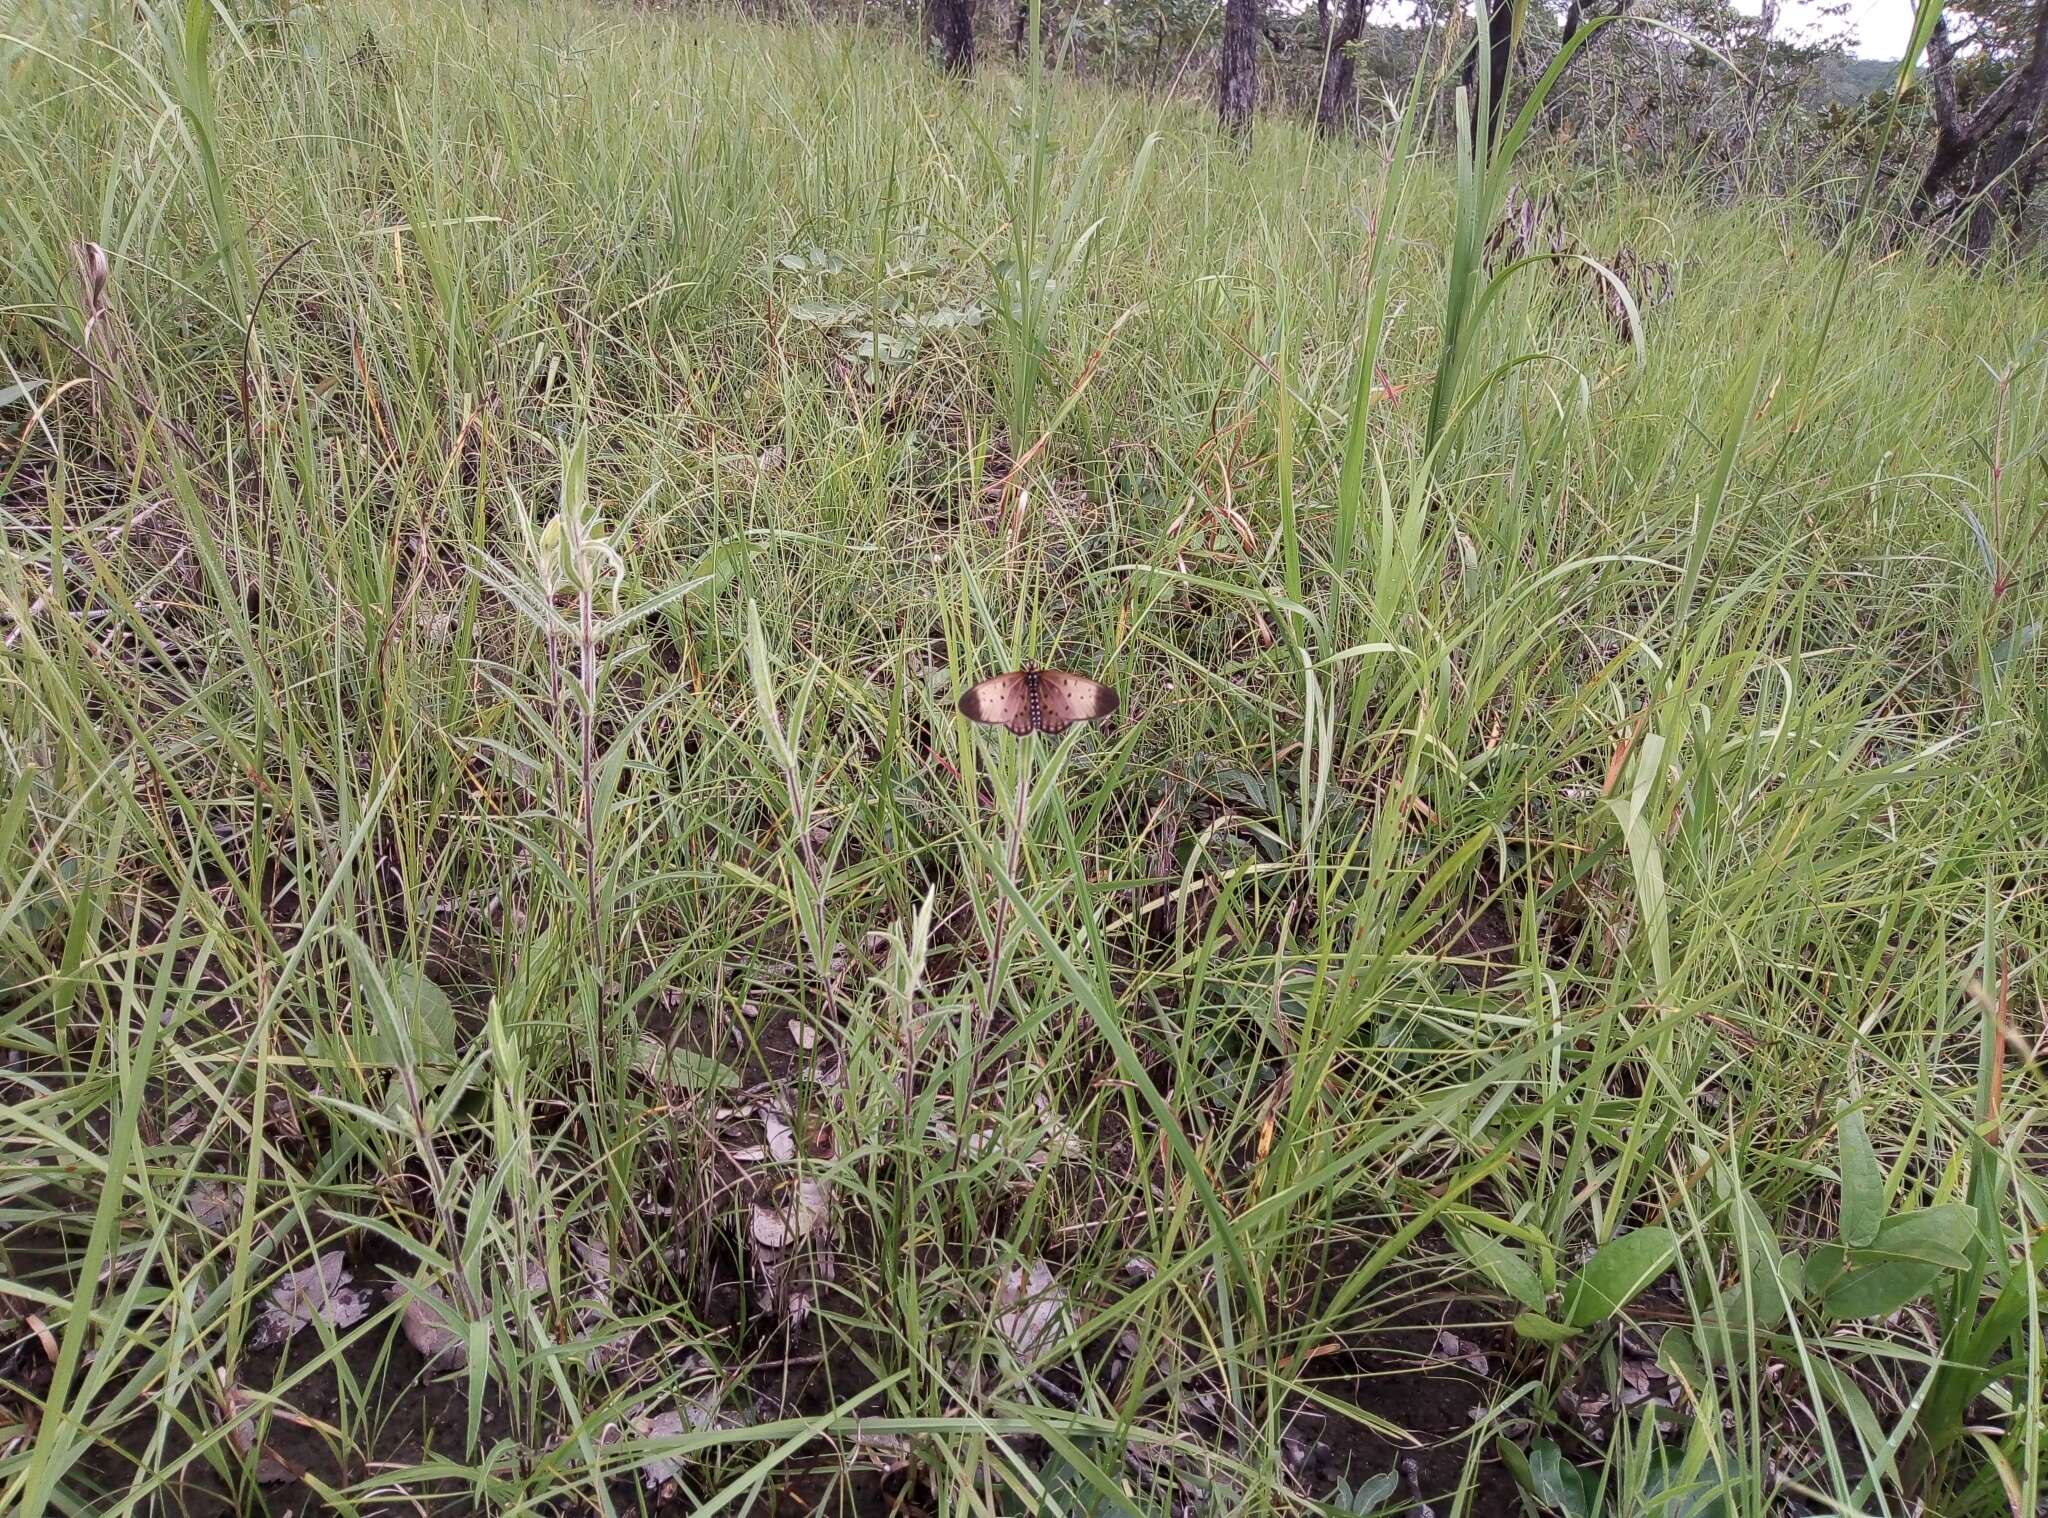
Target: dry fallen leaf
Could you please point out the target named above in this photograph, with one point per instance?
(807, 1204)
(657, 1469)
(212, 1205)
(431, 1324)
(319, 1291)
(802, 1034)
(688, 1414)
(781, 1137)
(271, 1469)
(1450, 1347)
(597, 1260)
(1031, 1307)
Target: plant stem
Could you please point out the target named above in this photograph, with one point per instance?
(588, 637)
(985, 1026)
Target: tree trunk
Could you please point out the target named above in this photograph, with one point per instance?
(1237, 72)
(1988, 161)
(2008, 171)
(1574, 18)
(1340, 89)
(949, 27)
(1499, 37)
(1950, 148)
(1766, 29)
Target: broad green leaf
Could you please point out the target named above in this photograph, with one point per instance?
(1680, 1357)
(1792, 1271)
(1533, 1325)
(684, 1069)
(1877, 1290)
(1370, 1496)
(1823, 1268)
(1517, 1463)
(1862, 1181)
(946, 318)
(13, 395)
(1545, 1475)
(1618, 1274)
(1503, 1266)
(826, 313)
(1931, 1236)
(416, 1034)
(1910, 1252)
(1646, 852)
(882, 348)
(429, 1017)
(1672, 1491)
(1762, 1264)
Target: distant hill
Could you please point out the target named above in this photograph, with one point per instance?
(1846, 79)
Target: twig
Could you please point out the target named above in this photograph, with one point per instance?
(586, 609)
(555, 708)
(249, 333)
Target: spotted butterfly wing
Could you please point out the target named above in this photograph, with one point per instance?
(1000, 701)
(1038, 700)
(1065, 698)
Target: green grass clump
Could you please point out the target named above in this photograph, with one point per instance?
(498, 505)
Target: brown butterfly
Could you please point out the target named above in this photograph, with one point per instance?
(1034, 700)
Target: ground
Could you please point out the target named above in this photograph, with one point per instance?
(520, 991)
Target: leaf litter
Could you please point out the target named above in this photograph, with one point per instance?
(687, 1412)
(1031, 1309)
(320, 1292)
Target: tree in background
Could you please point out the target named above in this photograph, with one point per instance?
(1990, 94)
(1662, 99)
(1338, 97)
(1237, 68)
(1498, 36)
(949, 26)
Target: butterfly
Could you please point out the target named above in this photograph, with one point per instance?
(1034, 700)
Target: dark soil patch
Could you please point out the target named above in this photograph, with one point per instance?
(1435, 1403)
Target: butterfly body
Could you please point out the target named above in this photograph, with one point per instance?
(1034, 700)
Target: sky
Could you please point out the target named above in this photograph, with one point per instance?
(1880, 26)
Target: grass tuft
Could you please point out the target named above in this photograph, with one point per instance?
(519, 992)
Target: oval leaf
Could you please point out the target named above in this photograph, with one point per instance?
(683, 1069)
(1862, 1181)
(1762, 1265)
(427, 1014)
(1931, 1236)
(1501, 1265)
(1533, 1325)
(1877, 1291)
(1618, 1274)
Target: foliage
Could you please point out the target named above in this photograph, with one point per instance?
(519, 991)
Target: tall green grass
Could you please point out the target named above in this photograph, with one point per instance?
(486, 584)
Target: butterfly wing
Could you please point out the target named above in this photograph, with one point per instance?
(1065, 698)
(1000, 702)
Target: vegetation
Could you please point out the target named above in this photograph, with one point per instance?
(520, 994)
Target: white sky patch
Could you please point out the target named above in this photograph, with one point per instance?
(1877, 28)
(1866, 28)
